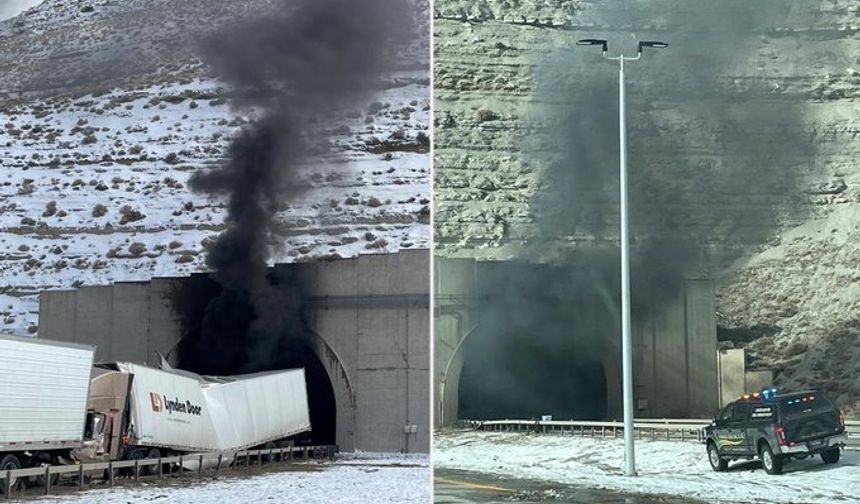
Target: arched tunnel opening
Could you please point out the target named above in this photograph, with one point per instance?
(226, 351)
(538, 348)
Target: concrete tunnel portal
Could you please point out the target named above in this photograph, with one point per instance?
(208, 355)
(364, 341)
(521, 340)
(528, 340)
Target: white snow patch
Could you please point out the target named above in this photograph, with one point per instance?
(664, 467)
(358, 479)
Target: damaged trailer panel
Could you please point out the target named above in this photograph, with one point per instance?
(167, 410)
(251, 410)
(186, 412)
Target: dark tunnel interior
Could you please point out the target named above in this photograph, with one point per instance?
(536, 350)
(198, 353)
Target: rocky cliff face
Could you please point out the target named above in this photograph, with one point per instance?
(743, 148)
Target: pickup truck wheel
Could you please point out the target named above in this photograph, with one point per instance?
(10, 462)
(772, 463)
(717, 463)
(830, 455)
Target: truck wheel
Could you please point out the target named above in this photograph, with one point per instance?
(133, 454)
(830, 455)
(10, 462)
(271, 456)
(772, 463)
(718, 464)
(151, 470)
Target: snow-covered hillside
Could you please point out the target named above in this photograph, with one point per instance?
(93, 174)
(663, 467)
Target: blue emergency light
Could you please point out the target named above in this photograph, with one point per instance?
(768, 393)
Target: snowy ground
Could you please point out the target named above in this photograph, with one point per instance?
(665, 468)
(357, 479)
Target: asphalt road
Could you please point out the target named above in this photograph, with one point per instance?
(462, 487)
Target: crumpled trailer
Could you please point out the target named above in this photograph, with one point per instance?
(142, 412)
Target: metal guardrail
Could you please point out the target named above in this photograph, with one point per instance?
(666, 429)
(200, 463)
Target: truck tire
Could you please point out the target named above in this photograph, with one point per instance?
(772, 463)
(133, 454)
(271, 457)
(830, 455)
(151, 470)
(10, 462)
(718, 463)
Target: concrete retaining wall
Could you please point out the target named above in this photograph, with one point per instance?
(675, 350)
(371, 316)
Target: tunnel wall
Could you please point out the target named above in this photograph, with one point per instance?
(675, 351)
(370, 314)
(129, 321)
(456, 316)
(675, 359)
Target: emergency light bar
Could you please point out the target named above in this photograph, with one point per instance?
(766, 393)
(802, 399)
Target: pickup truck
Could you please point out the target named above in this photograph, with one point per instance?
(776, 428)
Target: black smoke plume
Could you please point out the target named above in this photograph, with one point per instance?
(299, 64)
(700, 195)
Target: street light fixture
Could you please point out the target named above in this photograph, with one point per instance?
(626, 340)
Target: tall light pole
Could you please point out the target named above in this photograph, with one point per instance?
(626, 340)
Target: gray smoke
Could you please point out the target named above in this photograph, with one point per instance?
(300, 64)
(699, 197)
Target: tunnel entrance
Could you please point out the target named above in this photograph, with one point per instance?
(226, 351)
(539, 345)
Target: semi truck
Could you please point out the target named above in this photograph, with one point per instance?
(57, 407)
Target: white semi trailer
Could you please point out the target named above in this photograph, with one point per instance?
(56, 407)
(43, 400)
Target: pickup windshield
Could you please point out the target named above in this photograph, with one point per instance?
(809, 416)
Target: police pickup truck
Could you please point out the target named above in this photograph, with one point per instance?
(776, 428)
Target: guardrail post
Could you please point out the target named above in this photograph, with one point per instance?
(110, 472)
(181, 464)
(200, 467)
(248, 460)
(160, 467)
(7, 484)
(136, 469)
(81, 477)
(220, 459)
(47, 480)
